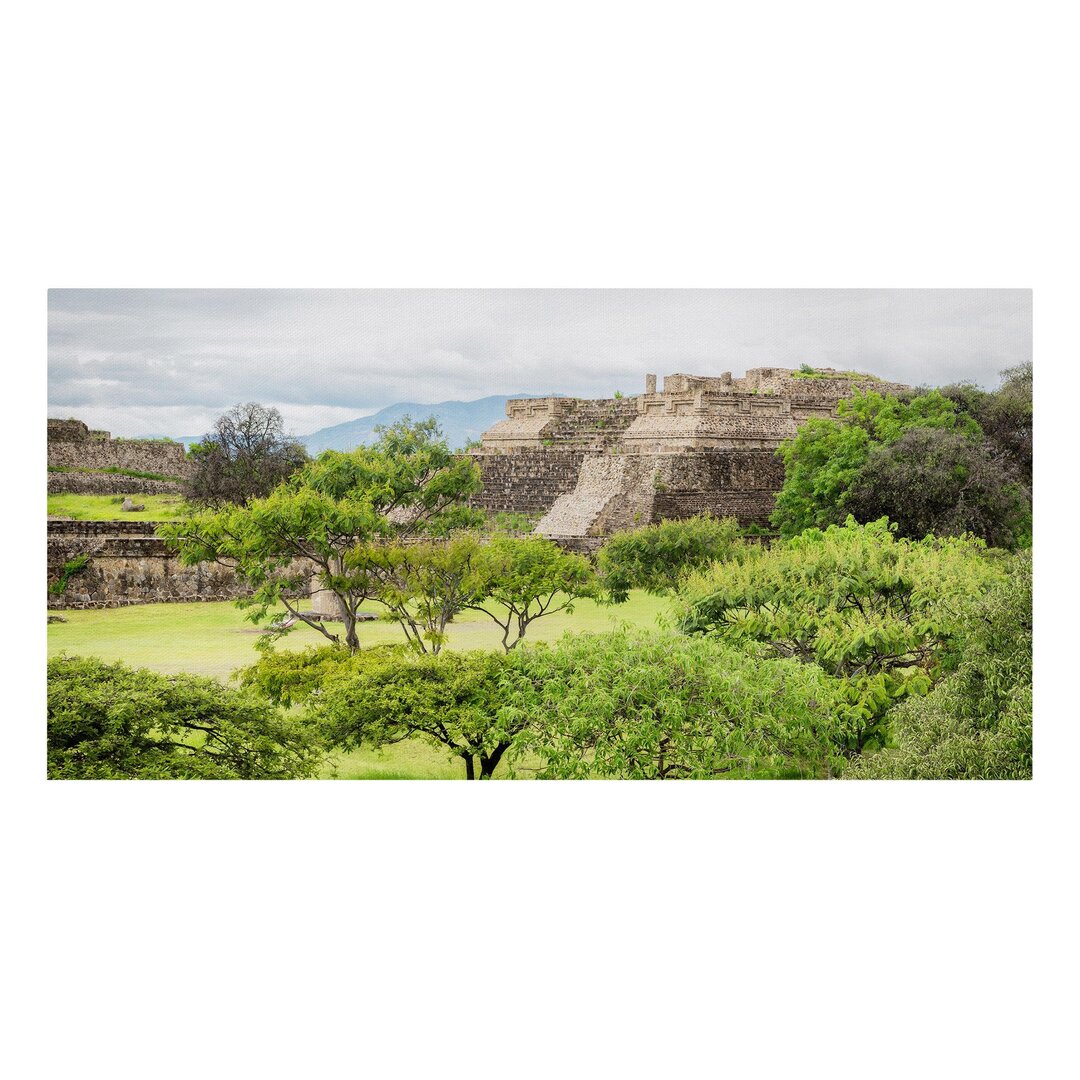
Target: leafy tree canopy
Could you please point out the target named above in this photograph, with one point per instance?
(385, 694)
(661, 706)
(1005, 416)
(936, 481)
(108, 721)
(868, 608)
(977, 722)
(407, 483)
(823, 460)
(656, 557)
(246, 456)
(522, 580)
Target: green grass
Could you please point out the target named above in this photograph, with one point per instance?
(107, 507)
(215, 639)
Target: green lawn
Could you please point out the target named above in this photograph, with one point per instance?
(215, 639)
(107, 507)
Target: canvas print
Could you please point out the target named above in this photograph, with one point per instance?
(644, 534)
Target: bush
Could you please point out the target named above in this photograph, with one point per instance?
(824, 458)
(112, 722)
(871, 610)
(977, 722)
(936, 481)
(656, 707)
(656, 557)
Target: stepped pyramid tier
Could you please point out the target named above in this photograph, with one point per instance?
(701, 444)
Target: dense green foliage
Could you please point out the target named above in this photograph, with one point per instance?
(522, 580)
(1006, 416)
(662, 706)
(109, 721)
(383, 695)
(977, 722)
(936, 481)
(944, 462)
(407, 483)
(871, 610)
(245, 457)
(656, 557)
(823, 460)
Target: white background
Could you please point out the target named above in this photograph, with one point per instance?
(539, 929)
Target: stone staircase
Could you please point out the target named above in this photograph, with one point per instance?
(599, 483)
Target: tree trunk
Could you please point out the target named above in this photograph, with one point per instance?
(470, 768)
(490, 762)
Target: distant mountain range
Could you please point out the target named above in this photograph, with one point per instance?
(460, 421)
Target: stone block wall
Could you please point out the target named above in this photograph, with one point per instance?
(702, 444)
(129, 565)
(525, 481)
(87, 483)
(73, 445)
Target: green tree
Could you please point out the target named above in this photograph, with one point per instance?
(873, 611)
(522, 580)
(108, 721)
(246, 456)
(386, 694)
(661, 706)
(407, 483)
(1005, 415)
(422, 585)
(936, 481)
(656, 557)
(977, 722)
(823, 460)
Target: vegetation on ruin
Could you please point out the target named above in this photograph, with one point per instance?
(922, 460)
(67, 572)
(807, 372)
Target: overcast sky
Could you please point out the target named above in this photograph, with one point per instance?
(168, 361)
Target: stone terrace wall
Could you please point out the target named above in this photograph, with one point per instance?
(73, 445)
(80, 483)
(724, 483)
(525, 481)
(129, 565)
(168, 459)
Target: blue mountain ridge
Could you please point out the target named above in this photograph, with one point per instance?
(461, 421)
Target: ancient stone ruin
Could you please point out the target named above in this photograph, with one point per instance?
(701, 444)
(79, 459)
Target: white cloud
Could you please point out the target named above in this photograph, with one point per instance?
(328, 356)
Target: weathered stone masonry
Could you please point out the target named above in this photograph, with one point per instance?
(72, 445)
(129, 565)
(702, 444)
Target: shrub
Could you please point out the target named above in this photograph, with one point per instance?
(656, 707)
(977, 722)
(657, 557)
(112, 722)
